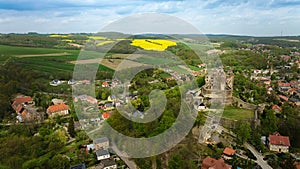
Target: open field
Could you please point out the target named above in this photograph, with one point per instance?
(44, 59)
(154, 60)
(237, 113)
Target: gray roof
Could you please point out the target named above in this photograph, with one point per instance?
(102, 152)
(81, 166)
(108, 162)
(138, 114)
(101, 140)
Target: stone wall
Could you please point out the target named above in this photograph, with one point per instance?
(240, 103)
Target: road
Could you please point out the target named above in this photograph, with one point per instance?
(131, 164)
(259, 157)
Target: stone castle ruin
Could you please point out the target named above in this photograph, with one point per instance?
(218, 81)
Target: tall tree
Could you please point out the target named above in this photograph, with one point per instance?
(71, 128)
(269, 122)
(243, 132)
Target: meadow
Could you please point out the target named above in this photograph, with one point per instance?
(236, 113)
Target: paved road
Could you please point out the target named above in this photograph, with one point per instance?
(259, 157)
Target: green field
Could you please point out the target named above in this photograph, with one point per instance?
(15, 50)
(237, 113)
(40, 59)
(154, 61)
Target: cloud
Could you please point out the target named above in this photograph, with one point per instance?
(253, 17)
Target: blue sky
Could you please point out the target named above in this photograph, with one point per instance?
(243, 17)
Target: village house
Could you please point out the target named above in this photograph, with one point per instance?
(211, 163)
(71, 82)
(101, 143)
(105, 115)
(228, 153)
(102, 154)
(108, 164)
(25, 109)
(57, 101)
(283, 98)
(56, 82)
(201, 106)
(276, 108)
(283, 87)
(80, 166)
(90, 147)
(279, 143)
(58, 110)
(108, 107)
(295, 84)
(297, 165)
(138, 114)
(105, 84)
(111, 98)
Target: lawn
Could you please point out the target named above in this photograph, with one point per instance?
(195, 68)
(237, 113)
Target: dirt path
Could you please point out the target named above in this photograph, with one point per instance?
(48, 54)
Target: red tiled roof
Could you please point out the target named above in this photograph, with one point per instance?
(20, 100)
(297, 165)
(19, 108)
(57, 108)
(106, 115)
(228, 151)
(276, 107)
(170, 78)
(24, 113)
(284, 85)
(216, 164)
(283, 98)
(277, 139)
(105, 83)
(292, 90)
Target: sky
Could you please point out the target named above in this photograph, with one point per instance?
(238, 17)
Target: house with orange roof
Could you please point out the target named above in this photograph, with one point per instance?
(105, 84)
(170, 79)
(283, 98)
(228, 153)
(106, 115)
(297, 165)
(20, 101)
(25, 109)
(279, 143)
(211, 163)
(58, 110)
(276, 108)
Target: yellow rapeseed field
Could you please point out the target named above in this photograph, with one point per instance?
(97, 37)
(105, 42)
(58, 36)
(153, 44)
